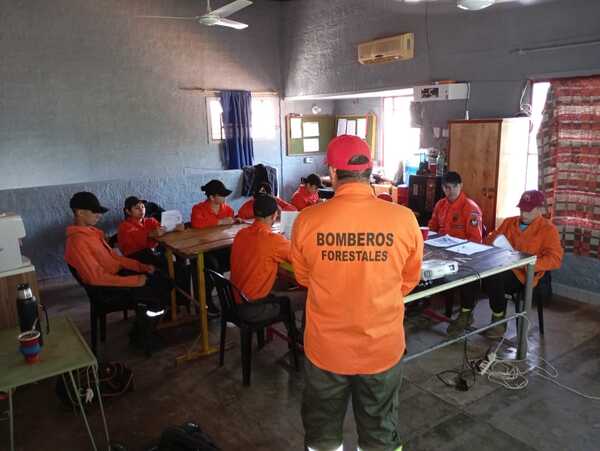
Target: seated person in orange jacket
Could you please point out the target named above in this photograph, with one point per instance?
(210, 213)
(98, 264)
(137, 233)
(530, 233)
(246, 211)
(458, 216)
(307, 193)
(255, 256)
(213, 211)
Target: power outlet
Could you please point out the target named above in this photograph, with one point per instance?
(308, 160)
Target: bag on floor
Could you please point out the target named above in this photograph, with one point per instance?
(188, 437)
(114, 377)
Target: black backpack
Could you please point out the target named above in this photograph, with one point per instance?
(188, 437)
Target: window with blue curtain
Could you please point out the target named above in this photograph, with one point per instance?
(237, 118)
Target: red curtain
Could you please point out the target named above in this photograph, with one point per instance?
(569, 161)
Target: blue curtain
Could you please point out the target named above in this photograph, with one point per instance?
(239, 150)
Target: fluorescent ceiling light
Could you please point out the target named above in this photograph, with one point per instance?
(355, 95)
(474, 5)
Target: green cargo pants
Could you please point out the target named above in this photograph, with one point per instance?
(374, 401)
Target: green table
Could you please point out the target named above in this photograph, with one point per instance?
(64, 352)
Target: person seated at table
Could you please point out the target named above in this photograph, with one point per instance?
(213, 211)
(529, 233)
(97, 264)
(307, 193)
(136, 234)
(256, 254)
(246, 211)
(210, 213)
(458, 216)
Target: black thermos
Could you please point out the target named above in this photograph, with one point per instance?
(27, 308)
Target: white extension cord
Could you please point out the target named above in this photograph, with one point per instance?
(510, 374)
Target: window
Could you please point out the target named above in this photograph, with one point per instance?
(264, 118)
(538, 100)
(400, 140)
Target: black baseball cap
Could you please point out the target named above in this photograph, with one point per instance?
(85, 200)
(264, 205)
(452, 178)
(215, 187)
(313, 179)
(132, 201)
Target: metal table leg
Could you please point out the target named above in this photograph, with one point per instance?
(205, 348)
(85, 420)
(11, 420)
(97, 382)
(171, 268)
(524, 324)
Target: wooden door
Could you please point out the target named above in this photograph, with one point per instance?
(473, 153)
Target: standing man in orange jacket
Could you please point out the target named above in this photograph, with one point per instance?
(358, 256)
(530, 233)
(458, 216)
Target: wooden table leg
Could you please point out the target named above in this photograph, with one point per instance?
(205, 348)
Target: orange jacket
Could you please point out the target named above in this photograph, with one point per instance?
(460, 219)
(203, 215)
(358, 256)
(255, 256)
(540, 238)
(133, 235)
(95, 261)
(302, 198)
(246, 211)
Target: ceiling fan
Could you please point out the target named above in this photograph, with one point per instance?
(475, 5)
(216, 17)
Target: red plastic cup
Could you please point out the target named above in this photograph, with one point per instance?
(30, 345)
(424, 232)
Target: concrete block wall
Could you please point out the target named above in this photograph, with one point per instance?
(46, 214)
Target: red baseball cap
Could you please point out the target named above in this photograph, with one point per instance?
(531, 199)
(345, 147)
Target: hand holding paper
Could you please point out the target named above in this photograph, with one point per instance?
(170, 218)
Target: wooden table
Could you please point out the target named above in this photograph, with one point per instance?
(192, 244)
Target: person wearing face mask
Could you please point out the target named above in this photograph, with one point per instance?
(458, 216)
(307, 193)
(530, 233)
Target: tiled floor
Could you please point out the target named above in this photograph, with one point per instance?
(266, 416)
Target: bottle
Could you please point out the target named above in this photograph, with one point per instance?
(440, 165)
(27, 309)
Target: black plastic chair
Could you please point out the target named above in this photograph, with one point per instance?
(104, 300)
(542, 293)
(229, 313)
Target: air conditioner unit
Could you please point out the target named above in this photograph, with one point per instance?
(450, 91)
(385, 50)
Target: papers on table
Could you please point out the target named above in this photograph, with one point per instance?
(502, 242)
(170, 218)
(469, 248)
(287, 222)
(445, 241)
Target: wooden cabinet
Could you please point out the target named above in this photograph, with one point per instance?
(491, 157)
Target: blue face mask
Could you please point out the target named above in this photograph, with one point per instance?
(523, 226)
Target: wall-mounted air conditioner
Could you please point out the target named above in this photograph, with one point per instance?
(385, 50)
(451, 91)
